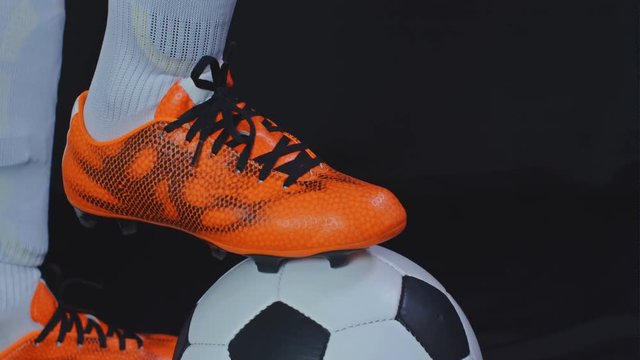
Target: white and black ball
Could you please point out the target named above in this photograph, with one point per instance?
(381, 306)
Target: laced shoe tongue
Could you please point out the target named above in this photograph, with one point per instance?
(265, 142)
(184, 94)
(44, 304)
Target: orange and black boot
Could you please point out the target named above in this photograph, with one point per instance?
(209, 165)
(69, 335)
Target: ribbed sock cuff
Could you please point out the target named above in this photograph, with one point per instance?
(21, 253)
(17, 285)
(148, 46)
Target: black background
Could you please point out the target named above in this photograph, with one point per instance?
(507, 128)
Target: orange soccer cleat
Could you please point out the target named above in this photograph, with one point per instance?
(68, 335)
(209, 165)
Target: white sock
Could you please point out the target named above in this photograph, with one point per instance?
(17, 286)
(148, 45)
(30, 56)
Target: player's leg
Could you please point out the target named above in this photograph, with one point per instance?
(30, 56)
(32, 324)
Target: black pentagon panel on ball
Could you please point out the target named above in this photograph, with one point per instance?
(183, 339)
(429, 315)
(280, 332)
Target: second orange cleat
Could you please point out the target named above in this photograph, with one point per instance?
(69, 335)
(209, 165)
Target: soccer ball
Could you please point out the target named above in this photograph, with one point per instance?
(381, 306)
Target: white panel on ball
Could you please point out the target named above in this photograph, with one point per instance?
(405, 266)
(205, 352)
(387, 340)
(231, 303)
(365, 290)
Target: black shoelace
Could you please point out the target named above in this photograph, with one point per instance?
(69, 319)
(204, 117)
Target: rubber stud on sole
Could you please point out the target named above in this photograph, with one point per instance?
(217, 253)
(87, 220)
(268, 264)
(127, 227)
(272, 264)
(338, 258)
